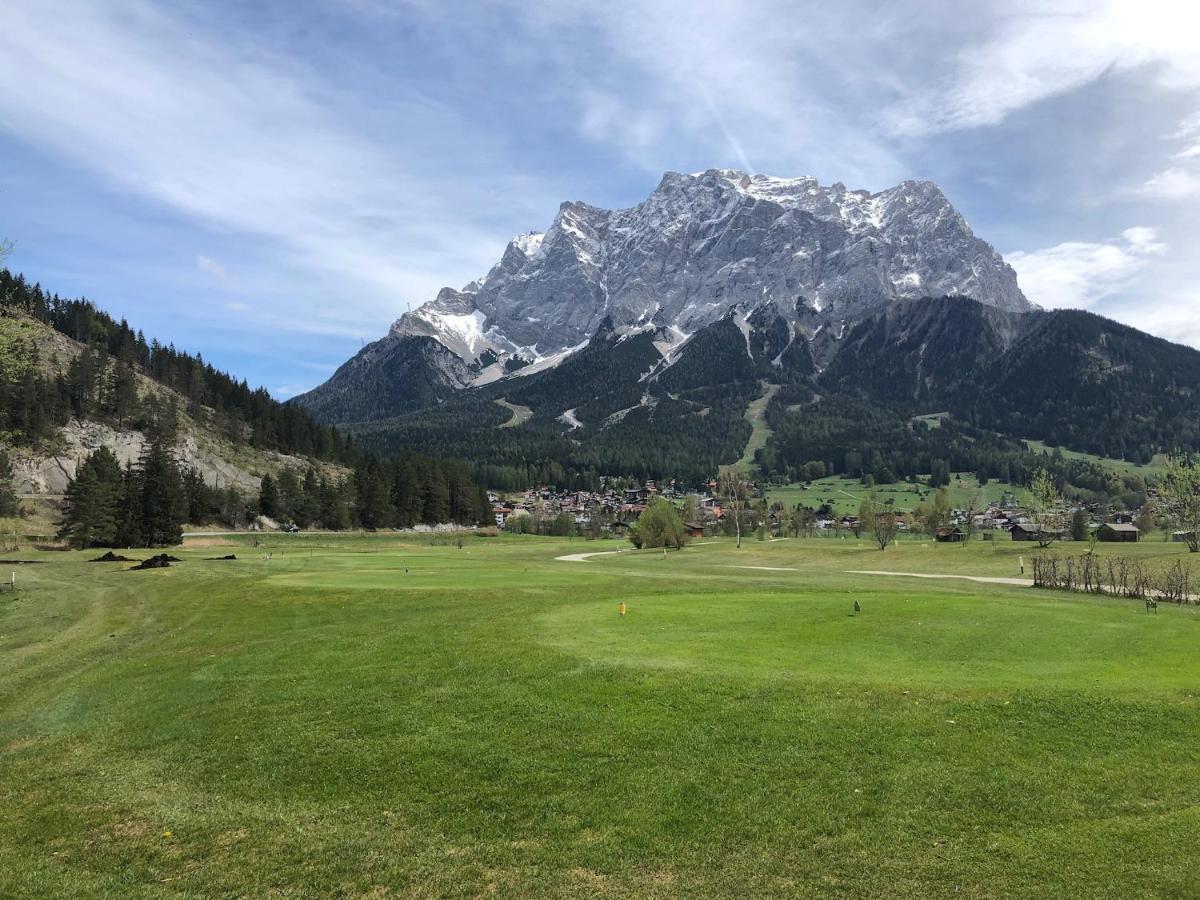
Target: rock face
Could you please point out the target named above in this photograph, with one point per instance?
(699, 247)
(48, 476)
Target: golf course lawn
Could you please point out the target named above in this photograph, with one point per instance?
(393, 715)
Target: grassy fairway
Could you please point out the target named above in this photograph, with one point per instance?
(330, 723)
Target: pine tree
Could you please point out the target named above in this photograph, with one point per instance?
(162, 499)
(122, 397)
(437, 498)
(374, 495)
(309, 507)
(8, 494)
(406, 495)
(334, 506)
(94, 502)
(268, 497)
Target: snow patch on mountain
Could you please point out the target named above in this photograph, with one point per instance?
(702, 245)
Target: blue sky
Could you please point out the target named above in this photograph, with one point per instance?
(273, 183)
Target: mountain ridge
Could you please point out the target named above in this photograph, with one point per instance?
(698, 247)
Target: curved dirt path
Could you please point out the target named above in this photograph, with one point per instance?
(584, 557)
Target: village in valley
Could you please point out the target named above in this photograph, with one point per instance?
(612, 510)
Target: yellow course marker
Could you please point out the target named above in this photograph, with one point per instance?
(621, 608)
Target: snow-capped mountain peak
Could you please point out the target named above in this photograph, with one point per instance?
(701, 244)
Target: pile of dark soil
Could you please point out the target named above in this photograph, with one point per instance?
(112, 557)
(162, 561)
(219, 558)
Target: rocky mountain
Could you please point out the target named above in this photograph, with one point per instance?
(833, 325)
(699, 249)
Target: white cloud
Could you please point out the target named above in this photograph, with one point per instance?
(284, 391)
(244, 139)
(1174, 319)
(1030, 51)
(652, 79)
(1079, 274)
(1143, 240)
(1176, 183)
(1189, 130)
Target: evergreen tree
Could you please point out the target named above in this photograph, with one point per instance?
(268, 497)
(334, 506)
(122, 399)
(373, 489)
(309, 507)
(129, 518)
(161, 495)
(406, 493)
(94, 500)
(8, 494)
(290, 494)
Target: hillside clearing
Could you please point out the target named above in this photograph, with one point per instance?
(520, 414)
(756, 415)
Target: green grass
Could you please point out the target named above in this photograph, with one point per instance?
(844, 494)
(1120, 465)
(520, 414)
(328, 723)
(756, 415)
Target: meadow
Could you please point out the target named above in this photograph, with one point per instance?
(393, 715)
(843, 495)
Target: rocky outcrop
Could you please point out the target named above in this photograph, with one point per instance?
(38, 475)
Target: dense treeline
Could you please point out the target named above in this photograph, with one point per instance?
(146, 504)
(841, 435)
(676, 439)
(101, 382)
(398, 493)
(138, 506)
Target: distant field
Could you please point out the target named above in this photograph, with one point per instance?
(387, 715)
(1119, 465)
(845, 494)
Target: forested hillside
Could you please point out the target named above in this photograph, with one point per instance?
(100, 381)
(995, 379)
(1065, 377)
(79, 389)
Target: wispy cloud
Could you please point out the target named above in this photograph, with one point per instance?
(1172, 317)
(284, 391)
(239, 138)
(1079, 274)
(1176, 183)
(340, 160)
(1181, 180)
(1028, 52)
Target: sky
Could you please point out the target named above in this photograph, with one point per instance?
(273, 182)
